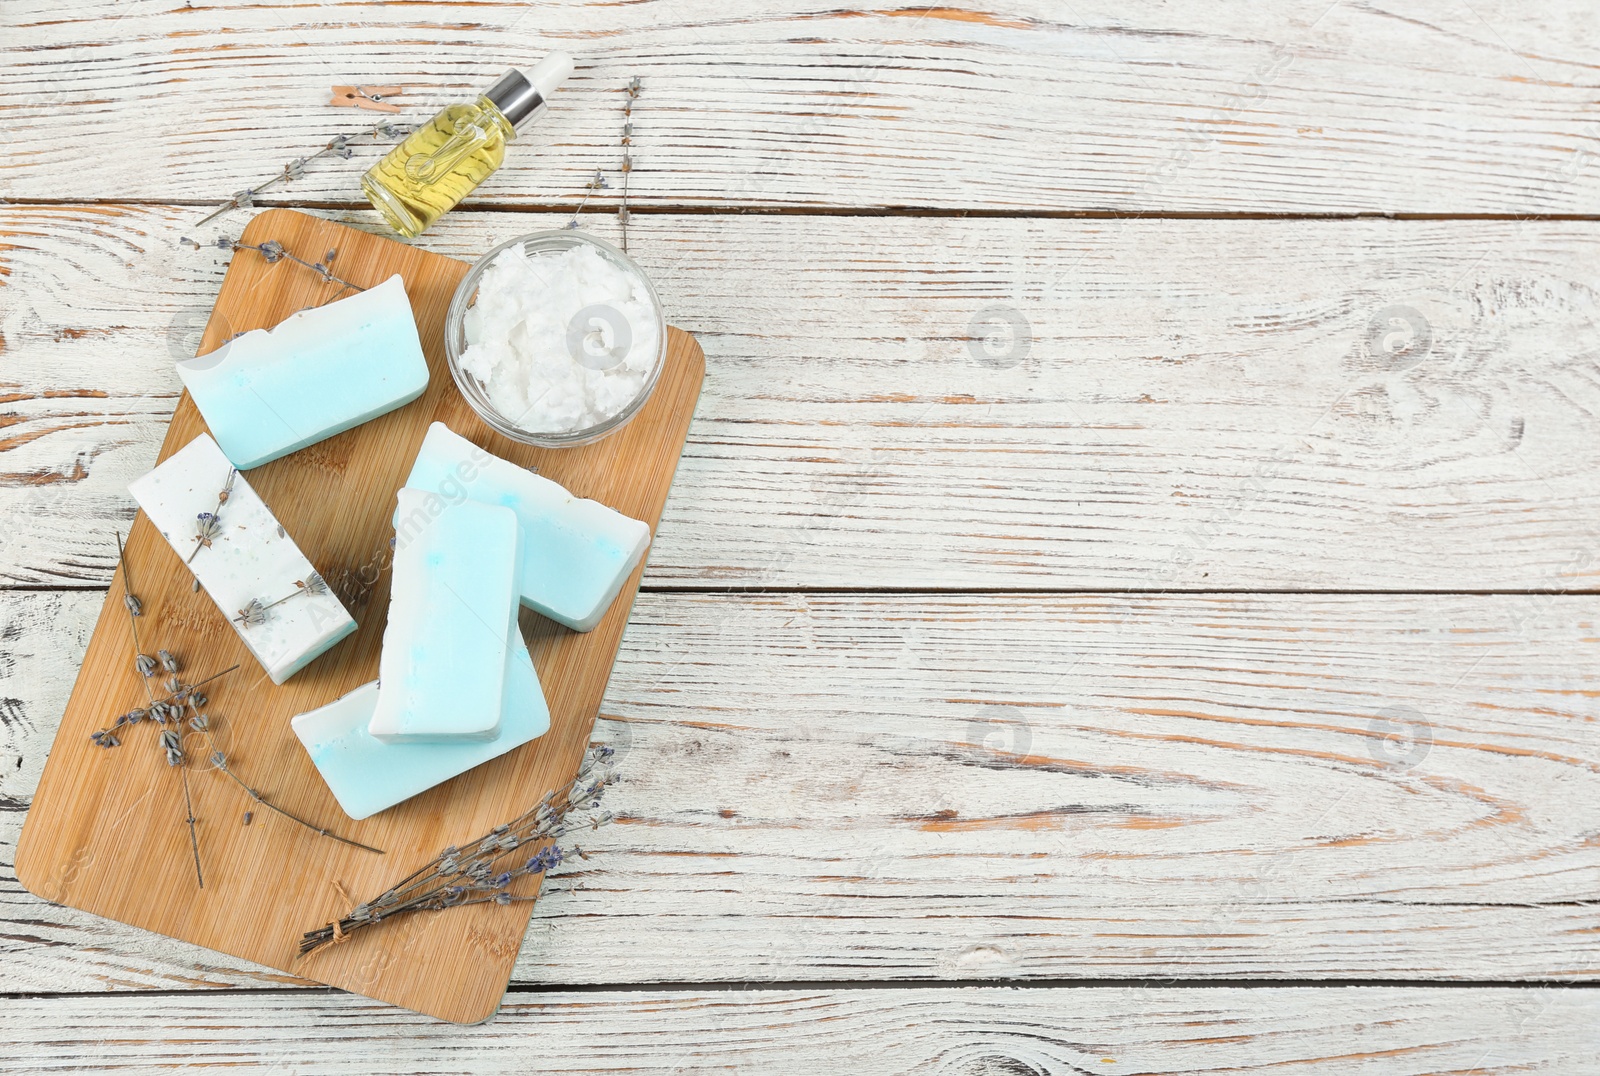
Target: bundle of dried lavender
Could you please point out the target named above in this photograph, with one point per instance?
(338, 146)
(483, 871)
(184, 704)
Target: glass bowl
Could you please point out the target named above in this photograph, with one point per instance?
(455, 342)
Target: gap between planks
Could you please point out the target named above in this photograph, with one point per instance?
(754, 208)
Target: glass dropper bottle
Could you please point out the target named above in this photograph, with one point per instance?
(442, 161)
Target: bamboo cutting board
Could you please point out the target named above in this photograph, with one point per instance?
(107, 831)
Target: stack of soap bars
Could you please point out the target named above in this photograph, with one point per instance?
(476, 538)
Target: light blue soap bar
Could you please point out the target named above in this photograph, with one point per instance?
(367, 775)
(452, 606)
(273, 391)
(576, 553)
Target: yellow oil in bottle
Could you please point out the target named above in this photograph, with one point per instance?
(437, 165)
(442, 162)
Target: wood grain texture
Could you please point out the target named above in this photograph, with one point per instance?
(105, 831)
(851, 788)
(1201, 404)
(975, 1031)
(1307, 106)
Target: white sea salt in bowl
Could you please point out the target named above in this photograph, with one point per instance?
(555, 338)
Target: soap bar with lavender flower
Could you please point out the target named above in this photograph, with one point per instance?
(452, 605)
(319, 372)
(252, 569)
(367, 775)
(576, 553)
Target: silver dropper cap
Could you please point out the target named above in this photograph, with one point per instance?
(523, 98)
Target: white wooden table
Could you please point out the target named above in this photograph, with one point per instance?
(1128, 604)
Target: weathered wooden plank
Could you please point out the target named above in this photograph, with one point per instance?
(1018, 786)
(1184, 404)
(949, 1031)
(1308, 106)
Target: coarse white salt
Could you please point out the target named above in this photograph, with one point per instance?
(560, 340)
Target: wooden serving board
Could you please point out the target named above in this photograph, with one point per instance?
(107, 832)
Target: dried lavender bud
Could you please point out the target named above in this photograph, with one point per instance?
(170, 741)
(103, 738)
(174, 757)
(295, 169)
(174, 685)
(198, 699)
(168, 662)
(206, 527)
(313, 584)
(145, 664)
(272, 250)
(199, 722)
(245, 199)
(502, 899)
(135, 606)
(219, 760)
(248, 815)
(253, 614)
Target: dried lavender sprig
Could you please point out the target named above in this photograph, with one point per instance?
(220, 760)
(599, 182)
(624, 215)
(255, 610)
(208, 525)
(338, 146)
(274, 252)
(146, 665)
(474, 875)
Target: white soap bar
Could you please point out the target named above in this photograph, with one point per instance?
(367, 775)
(252, 569)
(319, 372)
(452, 601)
(576, 553)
